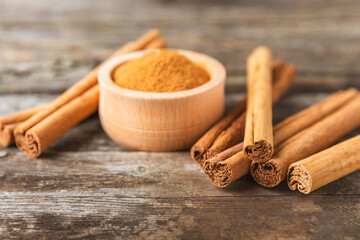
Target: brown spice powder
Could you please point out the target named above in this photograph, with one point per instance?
(161, 71)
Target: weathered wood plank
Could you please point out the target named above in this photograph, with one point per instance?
(10, 103)
(96, 215)
(92, 155)
(63, 43)
(59, 76)
(134, 174)
(42, 77)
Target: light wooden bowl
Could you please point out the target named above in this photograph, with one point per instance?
(160, 121)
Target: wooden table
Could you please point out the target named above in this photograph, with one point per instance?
(85, 186)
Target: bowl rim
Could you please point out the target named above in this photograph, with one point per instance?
(217, 73)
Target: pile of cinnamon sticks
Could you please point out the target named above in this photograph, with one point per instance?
(292, 148)
(36, 129)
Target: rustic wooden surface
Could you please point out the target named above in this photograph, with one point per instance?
(86, 187)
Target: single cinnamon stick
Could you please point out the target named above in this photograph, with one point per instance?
(7, 135)
(159, 42)
(283, 76)
(229, 137)
(227, 166)
(38, 132)
(314, 113)
(199, 150)
(232, 164)
(308, 142)
(325, 167)
(8, 124)
(258, 139)
(230, 130)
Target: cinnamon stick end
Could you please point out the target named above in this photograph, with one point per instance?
(6, 137)
(211, 153)
(27, 143)
(261, 151)
(266, 174)
(299, 178)
(219, 173)
(197, 155)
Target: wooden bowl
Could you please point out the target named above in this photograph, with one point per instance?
(160, 121)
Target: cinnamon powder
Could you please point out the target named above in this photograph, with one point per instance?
(161, 71)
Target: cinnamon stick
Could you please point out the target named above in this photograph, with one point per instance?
(199, 150)
(325, 167)
(312, 114)
(159, 42)
(227, 166)
(283, 77)
(8, 124)
(230, 130)
(232, 164)
(308, 142)
(38, 132)
(258, 140)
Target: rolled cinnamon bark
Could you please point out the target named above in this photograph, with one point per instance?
(199, 152)
(8, 124)
(283, 77)
(258, 139)
(314, 113)
(43, 134)
(325, 167)
(38, 132)
(227, 166)
(232, 164)
(7, 134)
(308, 142)
(230, 130)
(159, 42)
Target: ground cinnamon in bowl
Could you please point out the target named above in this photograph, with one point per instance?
(176, 96)
(160, 71)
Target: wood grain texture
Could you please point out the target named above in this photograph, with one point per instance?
(98, 195)
(86, 187)
(86, 216)
(60, 42)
